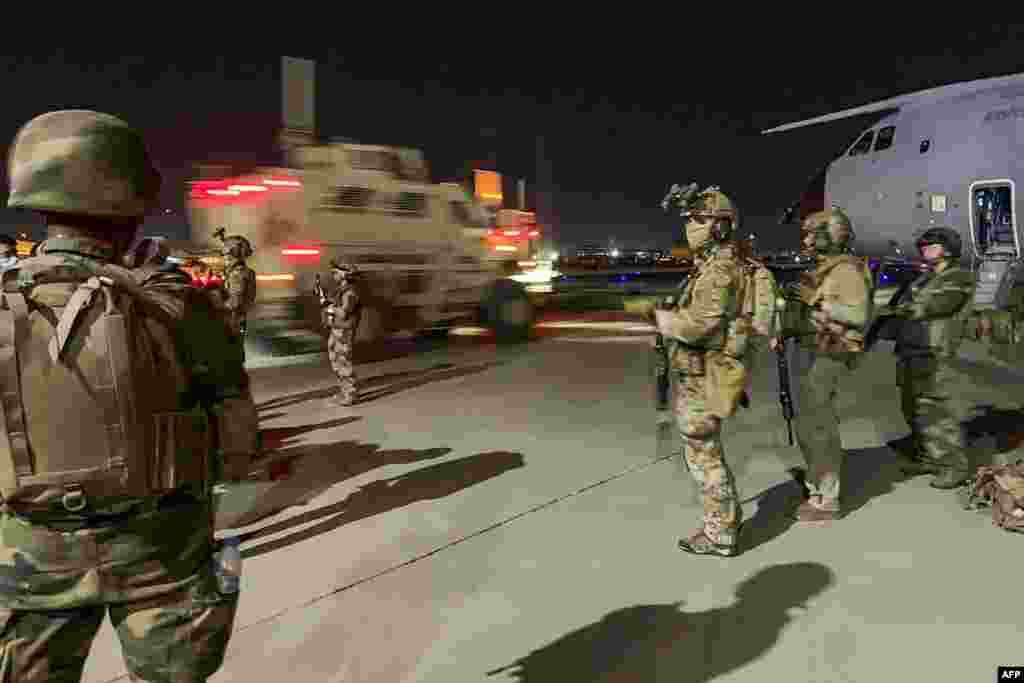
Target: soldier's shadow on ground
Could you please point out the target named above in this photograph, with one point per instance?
(429, 483)
(663, 644)
(413, 381)
(867, 473)
(315, 468)
(278, 438)
(379, 386)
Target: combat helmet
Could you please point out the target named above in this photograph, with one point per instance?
(81, 162)
(347, 269)
(832, 229)
(946, 236)
(237, 246)
(714, 204)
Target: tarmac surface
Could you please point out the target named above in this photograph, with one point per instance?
(504, 514)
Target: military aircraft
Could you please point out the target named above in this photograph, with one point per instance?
(949, 156)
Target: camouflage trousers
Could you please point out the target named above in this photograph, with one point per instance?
(935, 408)
(340, 348)
(152, 574)
(701, 434)
(819, 378)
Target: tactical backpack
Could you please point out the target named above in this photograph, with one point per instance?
(1000, 487)
(93, 381)
(728, 370)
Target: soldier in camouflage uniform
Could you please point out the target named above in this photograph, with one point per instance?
(932, 317)
(707, 353)
(342, 317)
(114, 543)
(239, 283)
(828, 316)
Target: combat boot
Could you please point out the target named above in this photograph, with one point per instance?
(701, 544)
(954, 472)
(918, 465)
(815, 510)
(913, 460)
(341, 400)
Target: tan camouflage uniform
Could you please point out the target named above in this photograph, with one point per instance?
(829, 320)
(145, 562)
(239, 283)
(708, 336)
(343, 317)
(934, 313)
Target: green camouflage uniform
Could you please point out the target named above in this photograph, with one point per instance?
(933, 315)
(144, 561)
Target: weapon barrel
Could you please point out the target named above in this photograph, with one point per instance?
(785, 396)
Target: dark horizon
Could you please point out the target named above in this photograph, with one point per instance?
(615, 144)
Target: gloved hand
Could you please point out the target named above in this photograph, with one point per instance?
(664, 321)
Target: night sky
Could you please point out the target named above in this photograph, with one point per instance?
(617, 130)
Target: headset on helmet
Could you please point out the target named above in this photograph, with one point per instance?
(832, 225)
(716, 205)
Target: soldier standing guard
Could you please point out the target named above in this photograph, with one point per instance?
(829, 318)
(239, 282)
(342, 317)
(931, 318)
(709, 358)
(120, 394)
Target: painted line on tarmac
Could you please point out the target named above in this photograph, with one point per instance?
(496, 525)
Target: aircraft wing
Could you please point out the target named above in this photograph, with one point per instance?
(909, 100)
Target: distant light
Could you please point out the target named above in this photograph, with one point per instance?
(300, 252)
(283, 183)
(505, 247)
(223, 192)
(271, 278)
(247, 188)
(533, 233)
(615, 253)
(511, 233)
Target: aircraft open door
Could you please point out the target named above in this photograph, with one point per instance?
(993, 219)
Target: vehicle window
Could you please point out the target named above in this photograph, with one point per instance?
(863, 145)
(349, 198)
(885, 136)
(410, 204)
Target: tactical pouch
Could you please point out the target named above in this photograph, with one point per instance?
(826, 341)
(726, 384)
(696, 365)
(182, 446)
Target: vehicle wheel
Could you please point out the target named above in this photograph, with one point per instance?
(507, 310)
